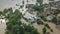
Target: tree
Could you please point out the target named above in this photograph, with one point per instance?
(5, 11)
(9, 26)
(54, 20)
(27, 32)
(18, 14)
(14, 21)
(28, 28)
(51, 30)
(7, 32)
(44, 30)
(38, 8)
(47, 26)
(18, 29)
(1, 13)
(39, 22)
(57, 11)
(40, 1)
(15, 26)
(34, 32)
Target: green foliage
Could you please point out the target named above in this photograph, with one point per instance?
(34, 32)
(51, 30)
(1, 13)
(54, 20)
(16, 16)
(44, 30)
(47, 26)
(28, 28)
(5, 10)
(57, 11)
(15, 26)
(40, 1)
(18, 29)
(10, 9)
(39, 22)
(38, 8)
(7, 32)
(43, 17)
(9, 26)
(27, 32)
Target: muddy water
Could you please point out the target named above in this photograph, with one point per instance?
(9, 3)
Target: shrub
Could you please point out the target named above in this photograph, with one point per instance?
(44, 30)
(51, 30)
(47, 26)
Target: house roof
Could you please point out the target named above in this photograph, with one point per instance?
(30, 17)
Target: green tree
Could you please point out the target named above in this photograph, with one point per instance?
(40, 2)
(51, 30)
(1, 13)
(54, 20)
(15, 26)
(39, 22)
(47, 26)
(7, 32)
(9, 26)
(44, 30)
(34, 32)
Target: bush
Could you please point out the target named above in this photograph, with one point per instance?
(44, 30)
(54, 20)
(6, 32)
(39, 22)
(34, 32)
(9, 26)
(47, 26)
(51, 30)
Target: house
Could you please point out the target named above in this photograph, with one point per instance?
(30, 17)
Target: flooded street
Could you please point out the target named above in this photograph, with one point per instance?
(8, 3)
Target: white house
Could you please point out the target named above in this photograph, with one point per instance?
(30, 17)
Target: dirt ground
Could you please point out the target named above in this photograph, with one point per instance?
(53, 26)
